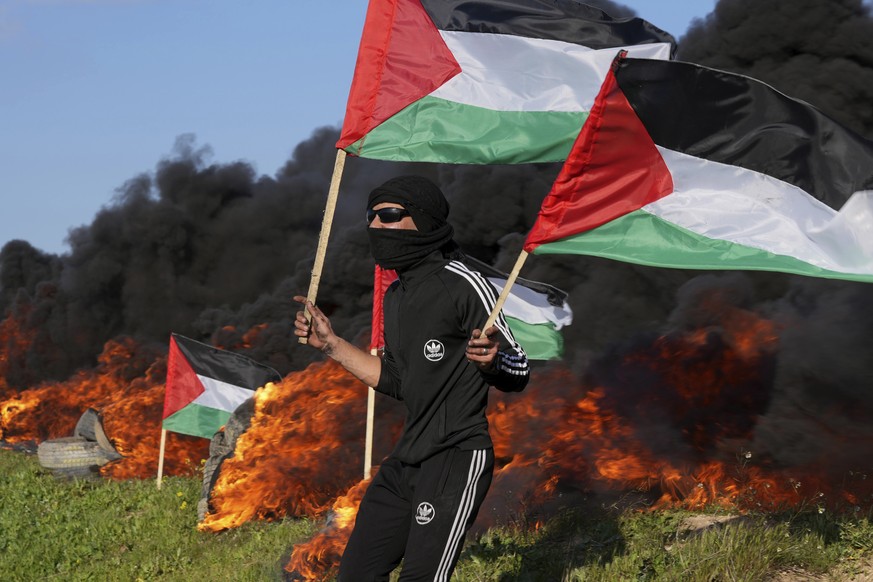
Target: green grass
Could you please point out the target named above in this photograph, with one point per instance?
(607, 546)
(52, 529)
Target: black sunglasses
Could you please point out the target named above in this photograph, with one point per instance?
(387, 215)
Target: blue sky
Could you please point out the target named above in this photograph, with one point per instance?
(95, 92)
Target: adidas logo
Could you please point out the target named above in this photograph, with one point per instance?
(434, 350)
(424, 513)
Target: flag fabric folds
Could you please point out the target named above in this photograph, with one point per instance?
(534, 311)
(689, 167)
(482, 81)
(206, 384)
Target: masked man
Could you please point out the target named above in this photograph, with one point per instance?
(427, 493)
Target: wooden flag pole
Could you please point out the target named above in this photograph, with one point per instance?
(505, 293)
(326, 222)
(161, 456)
(368, 440)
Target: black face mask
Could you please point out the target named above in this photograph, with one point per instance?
(400, 249)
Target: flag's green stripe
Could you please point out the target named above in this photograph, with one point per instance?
(645, 239)
(540, 340)
(197, 420)
(436, 130)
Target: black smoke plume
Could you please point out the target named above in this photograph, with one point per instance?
(214, 250)
(820, 51)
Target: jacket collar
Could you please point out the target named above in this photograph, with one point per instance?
(422, 270)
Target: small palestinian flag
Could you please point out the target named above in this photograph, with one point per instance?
(206, 384)
(689, 167)
(535, 312)
(483, 81)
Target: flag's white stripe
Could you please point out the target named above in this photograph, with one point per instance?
(514, 73)
(730, 203)
(465, 507)
(527, 305)
(221, 395)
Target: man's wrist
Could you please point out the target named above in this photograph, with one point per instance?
(492, 370)
(329, 347)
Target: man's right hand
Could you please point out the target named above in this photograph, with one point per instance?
(318, 333)
(365, 367)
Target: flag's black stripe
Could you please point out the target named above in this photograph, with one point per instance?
(225, 366)
(563, 20)
(737, 120)
(554, 296)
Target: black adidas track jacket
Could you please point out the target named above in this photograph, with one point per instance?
(430, 314)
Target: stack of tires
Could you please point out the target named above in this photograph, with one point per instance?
(81, 455)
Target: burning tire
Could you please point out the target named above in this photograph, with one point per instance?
(221, 447)
(72, 453)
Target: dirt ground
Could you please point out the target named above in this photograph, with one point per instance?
(857, 573)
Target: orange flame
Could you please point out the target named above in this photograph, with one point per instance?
(702, 385)
(132, 405)
(15, 340)
(315, 559)
(303, 448)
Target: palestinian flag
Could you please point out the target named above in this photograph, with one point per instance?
(689, 167)
(534, 311)
(483, 81)
(206, 384)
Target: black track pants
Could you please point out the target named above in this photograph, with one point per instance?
(418, 513)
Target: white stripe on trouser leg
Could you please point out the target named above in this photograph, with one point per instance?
(465, 507)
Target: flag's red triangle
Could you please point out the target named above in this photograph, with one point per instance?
(183, 385)
(613, 169)
(402, 58)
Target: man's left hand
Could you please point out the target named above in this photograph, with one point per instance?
(481, 349)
